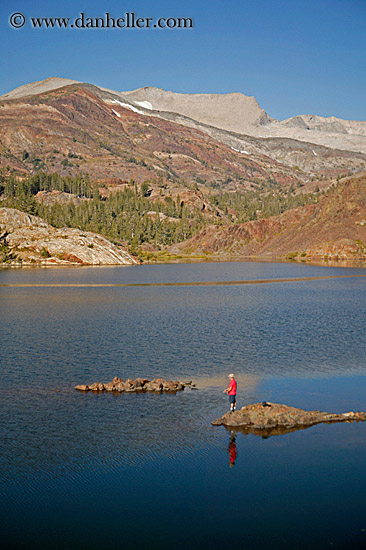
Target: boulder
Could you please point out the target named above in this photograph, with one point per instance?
(97, 386)
(141, 381)
(171, 386)
(139, 384)
(154, 386)
(82, 387)
(130, 385)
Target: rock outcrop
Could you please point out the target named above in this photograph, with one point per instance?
(30, 240)
(267, 419)
(158, 385)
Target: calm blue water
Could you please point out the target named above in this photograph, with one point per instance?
(149, 471)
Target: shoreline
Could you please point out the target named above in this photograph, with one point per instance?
(345, 263)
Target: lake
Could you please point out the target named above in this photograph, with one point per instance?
(146, 471)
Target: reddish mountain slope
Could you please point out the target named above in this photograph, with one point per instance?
(78, 128)
(335, 227)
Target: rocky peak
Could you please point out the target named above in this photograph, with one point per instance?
(34, 88)
(234, 111)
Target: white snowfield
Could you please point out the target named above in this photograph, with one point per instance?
(126, 106)
(145, 104)
(242, 151)
(115, 112)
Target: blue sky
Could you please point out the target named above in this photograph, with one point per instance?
(294, 56)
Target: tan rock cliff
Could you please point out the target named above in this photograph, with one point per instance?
(29, 240)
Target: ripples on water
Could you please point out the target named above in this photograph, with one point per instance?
(149, 471)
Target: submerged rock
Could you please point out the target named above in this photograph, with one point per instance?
(138, 385)
(267, 419)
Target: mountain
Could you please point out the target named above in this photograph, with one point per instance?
(81, 128)
(333, 228)
(69, 127)
(182, 170)
(234, 113)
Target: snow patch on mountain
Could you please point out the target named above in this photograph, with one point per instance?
(145, 104)
(126, 106)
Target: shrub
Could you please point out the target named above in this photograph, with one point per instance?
(45, 253)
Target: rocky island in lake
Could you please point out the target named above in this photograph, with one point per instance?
(267, 419)
(138, 385)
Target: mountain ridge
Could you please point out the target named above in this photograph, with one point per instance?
(233, 112)
(114, 137)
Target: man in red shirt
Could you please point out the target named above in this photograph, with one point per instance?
(231, 391)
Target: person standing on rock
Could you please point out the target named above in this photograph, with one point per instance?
(231, 391)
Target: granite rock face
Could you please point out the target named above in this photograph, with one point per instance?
(267, 419)
(158, 385)
(31, 240)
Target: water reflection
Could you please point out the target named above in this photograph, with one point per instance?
(232, 449)
(266, 433)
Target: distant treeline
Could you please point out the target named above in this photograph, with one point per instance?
(125, 216)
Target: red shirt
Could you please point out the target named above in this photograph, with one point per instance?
(232, 387)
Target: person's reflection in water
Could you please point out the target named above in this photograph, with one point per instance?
(232, 449)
